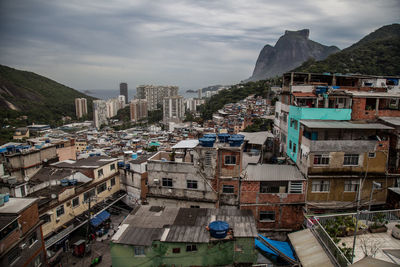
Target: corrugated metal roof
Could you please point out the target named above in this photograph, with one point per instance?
(191, 143)
(392, 120)
(189, 234)
(148, 219)
(272, 172)
(343, 125)
(140, 236)
(258, 138)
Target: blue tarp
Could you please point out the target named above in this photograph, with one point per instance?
(264, 247)
(282, 247)
(99, 218)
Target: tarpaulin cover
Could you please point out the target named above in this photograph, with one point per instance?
(99, 218)
(283, 247)
(264, 247)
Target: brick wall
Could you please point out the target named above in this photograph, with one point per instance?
(29, 218)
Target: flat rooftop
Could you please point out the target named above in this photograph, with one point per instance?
(16, 205)
(344, 125)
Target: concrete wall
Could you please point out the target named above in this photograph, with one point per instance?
(298, 113)
(208, 254)
(360, 113)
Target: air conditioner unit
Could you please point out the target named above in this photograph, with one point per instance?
(57, 219)
(156, 181)
(23, 245)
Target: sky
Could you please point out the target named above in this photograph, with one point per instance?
(95, 45)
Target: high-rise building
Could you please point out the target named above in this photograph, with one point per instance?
(121, 101)
(80, 107)
(173, 109)
(155, 94)
(99, 113)
(138, 108)
(112, 107)
(200, 92)
(123, 90)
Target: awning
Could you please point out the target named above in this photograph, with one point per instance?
(283, 249)
(99, 218)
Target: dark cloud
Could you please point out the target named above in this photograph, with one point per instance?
(97, 44)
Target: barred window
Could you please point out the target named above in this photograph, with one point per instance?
(351, 185)
(320, 186)
(350, 159)
(192, 184)
(321, 159)
(167, 182)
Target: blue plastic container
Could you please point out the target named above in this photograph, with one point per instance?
(223, 138)
(206, 142)
(6, 198)
(218, 229)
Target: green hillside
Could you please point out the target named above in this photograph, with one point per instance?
(376, 54)
(40, 99)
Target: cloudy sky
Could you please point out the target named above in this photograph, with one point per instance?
(190, 43)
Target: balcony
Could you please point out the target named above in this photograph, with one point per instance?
(328, 230)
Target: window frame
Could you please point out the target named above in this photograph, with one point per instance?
(167, 181)
(267, 212)
(61, 207)
(73, 205)
(228, 159)
(349, 158)
(226, 186)
(322, 184)
(100, 173)
(32, 239)
(193, 183)
(102, 187)
(351, 186)
(191, 248)
(321, 158)
(112, 167)
(112, 181)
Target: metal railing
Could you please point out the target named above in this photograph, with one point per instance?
(318, 230)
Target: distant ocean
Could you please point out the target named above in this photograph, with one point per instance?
(107, 93)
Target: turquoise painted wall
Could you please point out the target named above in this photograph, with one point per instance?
(301, 113)
(224, 252)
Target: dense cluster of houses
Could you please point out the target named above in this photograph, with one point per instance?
(334, 147)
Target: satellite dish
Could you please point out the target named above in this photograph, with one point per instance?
(53, 196)
(26, 178)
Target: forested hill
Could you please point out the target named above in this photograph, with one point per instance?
(378, 53)
(41, 99)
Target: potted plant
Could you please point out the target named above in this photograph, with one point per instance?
(396, 231)
(379, 223)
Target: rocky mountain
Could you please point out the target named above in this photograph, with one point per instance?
(40, 99)
(291, 50)
(378, 53)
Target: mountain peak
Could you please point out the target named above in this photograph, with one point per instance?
(303, 33)
(289, 52)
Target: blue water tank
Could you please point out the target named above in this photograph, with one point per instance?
(127, 167)
(218, 229)
(206, 142)
(64, 182)
(236, 140)
(134, 156)
(223, 138)
(121, 164)
(47, 141)
(210, 136)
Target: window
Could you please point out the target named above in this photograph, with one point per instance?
(60, 210)
(38, 261)
(13, 255)
(293, 123)
(75, 202)
(351, 185)
(208, 158)
(194, 207)
(290, 144)
(139, 250)
(294, 148)
(112, 181)
(112, 167)
(100, 173)
(23, 193)
(167, 182)
(351, 159)
(32, 239)
(283, 138)
(267, 216)
(192, 184)
(320, 186)
(273, 187)
(228, 189)
(176, 250)
(101, 188)
(371, 155)
(296, 187)
(321, 159)
(230, 160)
(276, 115)
(89, 194)
(46, 218)
(191, 247)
